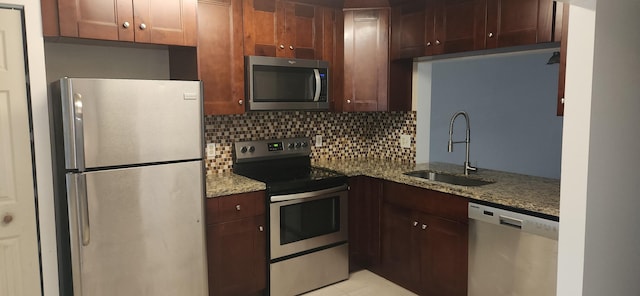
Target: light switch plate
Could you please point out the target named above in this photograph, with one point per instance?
(318, 140)
(211, 150)
(405, 141)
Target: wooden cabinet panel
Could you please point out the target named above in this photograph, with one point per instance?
(518, 22)
(261, 34)
(443, 256)
(236, 244)
(147, 21)
(460, 26)
(365, 196)
(409, 29)
(220, 56)
(237, 257)
(399, 247)
(366, 59)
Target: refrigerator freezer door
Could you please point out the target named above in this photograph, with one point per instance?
(113, 122)
(146, 231)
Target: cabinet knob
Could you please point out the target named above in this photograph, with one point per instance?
(490, 35)
(348, 101)
(143, 26)
(281, 46)
(126, 25)
(429, 43)
(437, 42)
(291, 47)
(261, 228)
(562, 101)
(238, 207)
(424, 226)
(240, 102)
(415, 223)
(7, 219)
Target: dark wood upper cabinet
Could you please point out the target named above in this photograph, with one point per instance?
(518, 22)
(562, 73)
(366, 60)
(283, 29)
(220, 56)
(170, 22)
(431, 27)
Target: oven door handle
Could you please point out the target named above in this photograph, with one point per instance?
(277, 198)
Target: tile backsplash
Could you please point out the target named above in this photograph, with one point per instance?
(344, 135)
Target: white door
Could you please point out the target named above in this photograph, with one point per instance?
(19, 264)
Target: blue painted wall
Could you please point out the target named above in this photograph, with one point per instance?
(511, 101)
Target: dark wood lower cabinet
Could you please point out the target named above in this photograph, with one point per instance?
(421, 251)
(236, 249)
(365, 196)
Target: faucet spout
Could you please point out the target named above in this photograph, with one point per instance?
(467, 140)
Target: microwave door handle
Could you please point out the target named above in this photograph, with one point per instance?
(316, 96)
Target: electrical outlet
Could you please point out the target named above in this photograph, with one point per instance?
(211, 150)
(405, 141)
(318, 141)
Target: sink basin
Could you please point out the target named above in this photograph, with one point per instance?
(447, 178)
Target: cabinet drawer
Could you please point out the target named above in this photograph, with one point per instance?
(233, 207)
(436, 203)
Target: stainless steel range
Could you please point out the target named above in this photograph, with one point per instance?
(307, 214)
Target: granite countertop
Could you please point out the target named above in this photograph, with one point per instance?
(530, 193)
(230, 183)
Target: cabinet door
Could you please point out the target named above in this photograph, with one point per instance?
(399, 240)
(443, 256)
(366, 59)
(518, 22)
(261, 28)
(460, 25)
(237, 257)
(220, 56)
(302, 34)
(409, 30)
(365, 197)
(106, 20)
(165, 21)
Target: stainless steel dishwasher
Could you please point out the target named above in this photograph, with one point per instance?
(511, 253)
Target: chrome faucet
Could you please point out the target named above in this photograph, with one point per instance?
(467, 140)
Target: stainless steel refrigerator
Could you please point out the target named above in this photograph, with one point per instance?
(128, 171)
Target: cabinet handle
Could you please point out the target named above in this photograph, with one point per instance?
(281, 46)
(7, 219)
(143, 26)
(424, 226)
(428, 43)
(125, 25)
(240, 102)
(437, 42)
(261, 228)
(562, 101)
(490, 35)
(238, 208)
(291, 47)
(348, 101)
(415, 223)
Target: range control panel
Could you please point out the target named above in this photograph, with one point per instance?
(271, 149)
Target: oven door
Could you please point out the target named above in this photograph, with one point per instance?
(309, 220)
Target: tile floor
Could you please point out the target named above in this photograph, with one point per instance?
(362, 283)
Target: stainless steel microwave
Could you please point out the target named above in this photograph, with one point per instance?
(286, 84)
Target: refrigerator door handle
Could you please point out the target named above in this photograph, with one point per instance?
(78, 141)
(83, 208)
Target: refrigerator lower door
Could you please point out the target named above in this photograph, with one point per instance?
(138, 231)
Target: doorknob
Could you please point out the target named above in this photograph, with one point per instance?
(7, 219)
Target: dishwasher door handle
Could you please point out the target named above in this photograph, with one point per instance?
(511, 222)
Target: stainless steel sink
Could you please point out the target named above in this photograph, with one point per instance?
(447, 178)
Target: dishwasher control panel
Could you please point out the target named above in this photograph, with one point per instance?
(526, 223)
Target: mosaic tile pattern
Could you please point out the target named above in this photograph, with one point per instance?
(344, 135)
